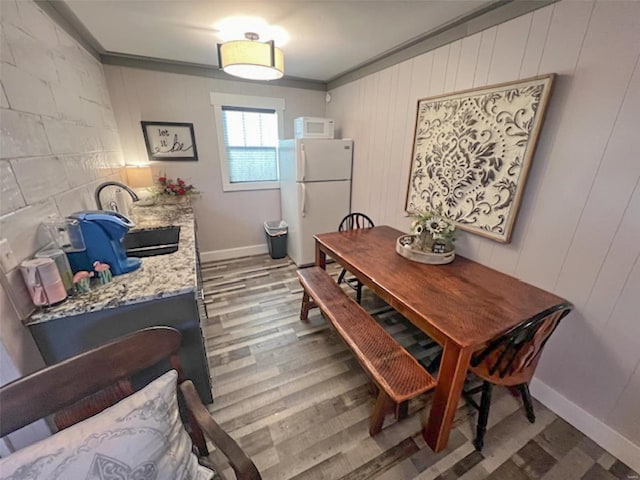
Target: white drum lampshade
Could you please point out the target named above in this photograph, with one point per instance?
(251, 59)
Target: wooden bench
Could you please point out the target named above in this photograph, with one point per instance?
(397, 375)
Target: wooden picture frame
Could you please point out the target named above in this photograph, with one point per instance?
(472, 151)
(170, 141)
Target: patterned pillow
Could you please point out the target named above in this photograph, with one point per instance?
(139, 438)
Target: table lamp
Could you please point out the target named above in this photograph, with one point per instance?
(139, 177)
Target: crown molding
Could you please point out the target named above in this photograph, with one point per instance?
(201, 70)
(61, 14)
(490, 15)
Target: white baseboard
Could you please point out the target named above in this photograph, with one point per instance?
(616, 444)
(214, 255)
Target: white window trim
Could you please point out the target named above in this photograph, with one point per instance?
(218, 100)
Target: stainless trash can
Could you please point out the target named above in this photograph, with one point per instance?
(276, 232)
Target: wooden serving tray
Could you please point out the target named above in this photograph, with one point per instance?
(403, 247)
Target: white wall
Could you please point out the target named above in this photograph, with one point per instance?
(226, 220)
(58, 141)
(578, 230)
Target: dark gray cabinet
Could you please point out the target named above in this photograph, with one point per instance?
(62, 338)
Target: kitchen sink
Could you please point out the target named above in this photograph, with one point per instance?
(151, 242)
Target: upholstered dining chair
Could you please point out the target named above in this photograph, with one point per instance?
(105, 424)
(353, 221)
(510, 360)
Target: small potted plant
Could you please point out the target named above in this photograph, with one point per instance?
(434, 232)
(432, 240)
(169, 191)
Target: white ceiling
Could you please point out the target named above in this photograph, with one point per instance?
(326, 38)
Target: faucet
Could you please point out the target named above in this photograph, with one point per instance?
(115, 184)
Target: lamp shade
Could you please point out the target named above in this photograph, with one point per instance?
(251, 59)
(139, 176)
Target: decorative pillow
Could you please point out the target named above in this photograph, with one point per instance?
(139, 438)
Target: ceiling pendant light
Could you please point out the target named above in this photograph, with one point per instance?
(251, 59)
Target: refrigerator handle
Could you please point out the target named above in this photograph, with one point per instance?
(303, 158)
(304, 199)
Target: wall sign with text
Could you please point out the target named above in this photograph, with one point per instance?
(170, 141)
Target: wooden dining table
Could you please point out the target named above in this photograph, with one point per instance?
(462, 306)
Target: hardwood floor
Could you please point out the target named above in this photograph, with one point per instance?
(296, 400)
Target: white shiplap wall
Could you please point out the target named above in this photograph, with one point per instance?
(578, 230)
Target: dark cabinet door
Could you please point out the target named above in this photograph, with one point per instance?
(62, 338)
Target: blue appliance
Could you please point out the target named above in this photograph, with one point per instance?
(103, 231)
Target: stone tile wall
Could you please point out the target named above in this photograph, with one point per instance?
(58, 140)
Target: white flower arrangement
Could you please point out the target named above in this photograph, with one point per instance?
(434, 232)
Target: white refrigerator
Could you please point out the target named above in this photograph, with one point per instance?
(315, 190)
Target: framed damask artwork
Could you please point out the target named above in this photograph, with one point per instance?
(472, 151)
(169, 141)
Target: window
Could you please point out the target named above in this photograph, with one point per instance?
(251, 140)
(248, 140)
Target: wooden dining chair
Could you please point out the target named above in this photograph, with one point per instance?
(353, 221)
(510, 360)
(86, 384)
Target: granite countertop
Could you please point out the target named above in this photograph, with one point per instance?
(158, 277)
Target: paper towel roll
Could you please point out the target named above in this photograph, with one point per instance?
(122, 200)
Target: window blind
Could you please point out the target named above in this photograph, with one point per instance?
(251, 140)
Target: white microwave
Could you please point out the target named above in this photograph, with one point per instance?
(313, 127)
